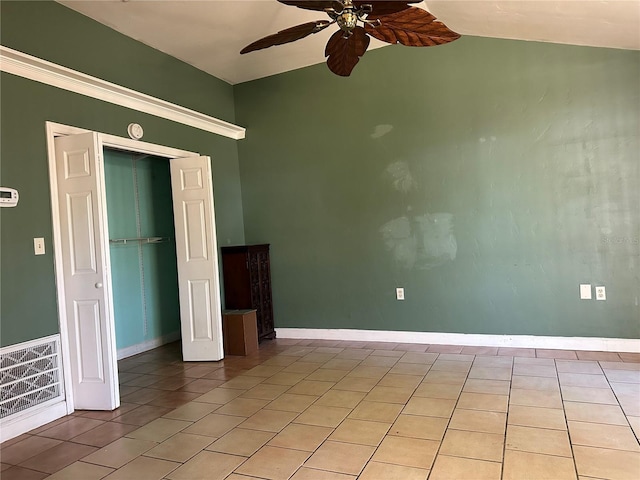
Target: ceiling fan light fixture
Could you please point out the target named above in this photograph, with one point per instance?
(347, 20)
(349, 17)
(391, 21)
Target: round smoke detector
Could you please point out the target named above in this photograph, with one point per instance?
(135, 131)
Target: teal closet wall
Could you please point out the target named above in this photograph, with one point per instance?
(144, 275)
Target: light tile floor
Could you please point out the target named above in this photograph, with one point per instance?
(330, 410)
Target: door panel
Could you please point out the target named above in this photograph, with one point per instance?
(81, 226)
(84, 256)
(199, 289)
(195, 234)
(87, 324)
(200, 310)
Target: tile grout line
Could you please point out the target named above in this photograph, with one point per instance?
(566, 421)
(352, 408)
(506, 420)
(310, 454)
(626, 417)
(435, 457)
(400, 413)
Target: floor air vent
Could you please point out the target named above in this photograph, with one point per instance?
(29, 375)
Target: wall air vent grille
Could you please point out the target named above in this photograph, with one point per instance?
(29, 375)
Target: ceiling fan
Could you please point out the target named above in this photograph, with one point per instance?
(390, 21)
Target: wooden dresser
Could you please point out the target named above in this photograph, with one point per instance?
(247, 284)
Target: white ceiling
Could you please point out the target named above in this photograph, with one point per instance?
(208, 34)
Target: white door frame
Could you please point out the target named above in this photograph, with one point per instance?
(54, 130)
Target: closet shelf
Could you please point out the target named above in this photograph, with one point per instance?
(124, 241)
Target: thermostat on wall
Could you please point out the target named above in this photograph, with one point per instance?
(8, 197)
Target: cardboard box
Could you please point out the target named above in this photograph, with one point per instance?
(239, 332)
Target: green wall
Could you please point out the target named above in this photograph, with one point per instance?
(48, 30)
(487, 177)
(144, 275)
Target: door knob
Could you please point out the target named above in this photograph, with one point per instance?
(98, 285)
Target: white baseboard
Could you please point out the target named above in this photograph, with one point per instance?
(31, 418)
(480, 340)
(148, 345)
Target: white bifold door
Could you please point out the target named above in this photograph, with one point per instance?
(200, 315)
(85, 262)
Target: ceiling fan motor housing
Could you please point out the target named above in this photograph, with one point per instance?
(347, 20)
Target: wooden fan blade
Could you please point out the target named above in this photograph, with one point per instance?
(319, 6)
(413, 27)
(380, 8)
(344, 53)
(286, 36)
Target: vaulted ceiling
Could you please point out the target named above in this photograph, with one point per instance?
(209, 34)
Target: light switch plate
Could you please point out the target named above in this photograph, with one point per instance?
(601, 293)
(585, 291)
(38, 246)
(399, 293)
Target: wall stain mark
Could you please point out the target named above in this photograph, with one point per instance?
(401, 177)
(421, 241)
(381, 130)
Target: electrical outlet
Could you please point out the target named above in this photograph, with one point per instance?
(399, 293)
(38, 246)
(601, 293)
(585, 291)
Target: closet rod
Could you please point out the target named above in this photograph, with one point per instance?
(124, 241)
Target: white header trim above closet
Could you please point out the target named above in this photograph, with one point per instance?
(33, 68)
(119, 143)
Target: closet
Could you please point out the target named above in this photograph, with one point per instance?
(142, 248)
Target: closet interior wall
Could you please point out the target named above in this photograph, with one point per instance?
(142, 247)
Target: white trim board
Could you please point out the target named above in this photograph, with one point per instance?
(148, 345)
(32, 418)
(33, 68)
(480, 340)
